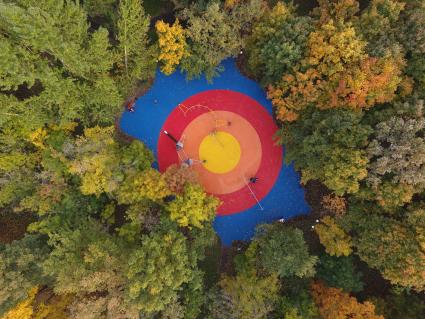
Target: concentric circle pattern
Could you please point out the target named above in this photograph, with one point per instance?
(219, 152)
(229, 137)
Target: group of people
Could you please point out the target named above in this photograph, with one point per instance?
(186, 161)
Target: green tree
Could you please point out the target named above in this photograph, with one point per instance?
(214, 34)
(397, 305)
(50, 50)
(412, 36)
(85, 258)
(277, 43)
(379, 24)
(211, 39)
(328, 146)
(219, 305)
(251, 297)
(283, 251)
(20, 269)
(339, 272)
(295, 301)
(399, 246)
(135, 58)
(156, 270)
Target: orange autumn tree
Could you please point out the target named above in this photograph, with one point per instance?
(336, 72)
(333, 303)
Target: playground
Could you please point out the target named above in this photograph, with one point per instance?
(224, 131)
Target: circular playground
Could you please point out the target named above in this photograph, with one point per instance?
(225, 132)
(227, 138)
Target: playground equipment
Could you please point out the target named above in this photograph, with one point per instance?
(218, 122)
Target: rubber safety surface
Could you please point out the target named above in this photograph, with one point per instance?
(226, 130)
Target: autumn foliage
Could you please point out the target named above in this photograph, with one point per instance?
(333, 237)
(172, 44)
(333, 303)
(336, 72)
(335, 204)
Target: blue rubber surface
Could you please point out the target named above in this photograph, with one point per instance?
(285, 200)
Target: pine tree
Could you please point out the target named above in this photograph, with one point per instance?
(135, 58)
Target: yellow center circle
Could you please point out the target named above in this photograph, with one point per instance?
(220, 152)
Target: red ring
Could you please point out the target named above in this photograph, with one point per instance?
(255, 114)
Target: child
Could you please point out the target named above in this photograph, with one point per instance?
(253, 180)
(130, 105)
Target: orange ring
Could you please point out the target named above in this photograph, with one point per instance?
(248, 139)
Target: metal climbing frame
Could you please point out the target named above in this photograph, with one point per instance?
(218, 122)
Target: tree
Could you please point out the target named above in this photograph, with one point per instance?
(102, 163)
(295, 301)
(378, 24)
(54, 308)
(101, 306)
(278, 42)
(328, 146)
(336, 71)
(398, 244)
(401, 305)
(193, 207)
(135, 60)
(283, 251)
(157, 270)
(25, 309)
(339, 272)
(21, 269)
(251, 297)
(214, 34)
(66, 71)
(333, 303)
(177, 177)
(336, 241)
(412, 36)
(84, 259)
(211, 39)
(335, 204)
(397, 150)
(219, 305)
(148, 184)
(172, 45)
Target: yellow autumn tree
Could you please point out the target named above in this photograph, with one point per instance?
(55, 308)
(333, 237)
(24, 309)
(148, 184)
(193, 207)
(229, 4)
(172, 45)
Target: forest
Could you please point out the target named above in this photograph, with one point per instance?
(87, 227)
